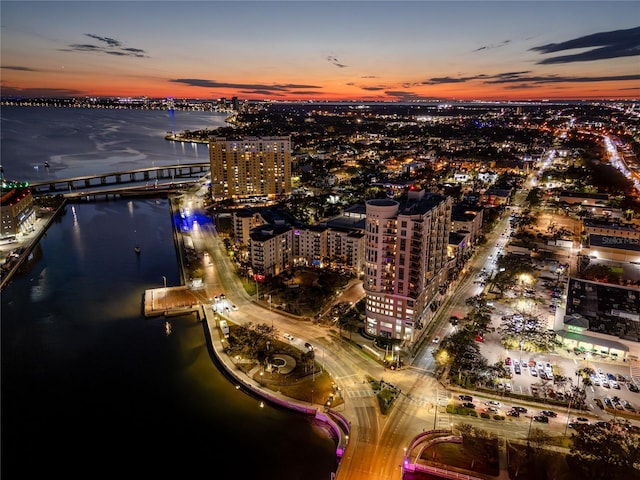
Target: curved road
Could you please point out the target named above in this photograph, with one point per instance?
(377, 443)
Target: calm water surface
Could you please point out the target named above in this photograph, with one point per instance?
(90, 388)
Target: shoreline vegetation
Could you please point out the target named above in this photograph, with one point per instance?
(197, 136)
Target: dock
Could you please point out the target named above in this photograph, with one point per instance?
(170, 302)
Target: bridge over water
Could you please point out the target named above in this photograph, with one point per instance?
(142, 178)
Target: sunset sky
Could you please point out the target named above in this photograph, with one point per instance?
(313, 50)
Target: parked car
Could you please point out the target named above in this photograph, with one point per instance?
(633, 387)
(541, 419)
(582, 420)
(288, 336)
(491, 410)
(466, 398)
(308, 345)
(468, 405)
(519, 409)
(549, 413)
(513, 413)
(436, 339)
(492, 403)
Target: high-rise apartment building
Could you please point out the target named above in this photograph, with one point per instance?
(405, 262)
(251, 166)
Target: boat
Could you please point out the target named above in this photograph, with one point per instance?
(137, 246)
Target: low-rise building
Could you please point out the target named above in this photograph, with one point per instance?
(17, 214)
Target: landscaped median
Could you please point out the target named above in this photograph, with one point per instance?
(386, 393)
(460, 410)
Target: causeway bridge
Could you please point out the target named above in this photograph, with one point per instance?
(143, 178)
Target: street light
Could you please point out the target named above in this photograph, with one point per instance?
(435, 415)
(435, 407)
(521, 345)
(568, 416)
(164, 282)
(529, 433)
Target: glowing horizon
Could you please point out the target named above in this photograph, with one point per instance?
(325, 51)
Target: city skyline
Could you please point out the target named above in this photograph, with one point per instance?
(312, 50)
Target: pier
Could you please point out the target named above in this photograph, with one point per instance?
(170, 301)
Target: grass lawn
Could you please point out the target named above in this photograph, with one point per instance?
(306, 388)
(455, 458)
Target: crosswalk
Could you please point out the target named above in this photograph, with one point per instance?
(419, 399)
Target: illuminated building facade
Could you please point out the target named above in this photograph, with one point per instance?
(251, 166)
(17, 214)
(270, 249)
(405, 262)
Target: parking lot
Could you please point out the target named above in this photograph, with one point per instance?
(536, 374)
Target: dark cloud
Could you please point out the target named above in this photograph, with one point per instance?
(444, 80)
(402, 96)
(490, 47)
(334, 61)
(112, 42)
(604, 45)
(21, 69)
(523, 86)
(509, 74)
(111, 47)
(84, 47)
(262, 93)
(373, 89)
(254, 88)
(524, 77)
(544, 79)
(9, 91)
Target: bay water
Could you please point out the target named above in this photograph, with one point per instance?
(92, 389)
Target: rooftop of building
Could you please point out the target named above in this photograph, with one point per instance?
(601, 223)
(266, 232)
(619, 243)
